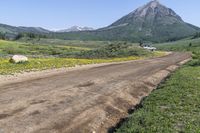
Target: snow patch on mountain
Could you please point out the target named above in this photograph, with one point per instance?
(76, 28)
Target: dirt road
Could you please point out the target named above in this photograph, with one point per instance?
(85, 100)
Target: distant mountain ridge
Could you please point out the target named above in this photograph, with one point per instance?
(14, 29)
(76, 28)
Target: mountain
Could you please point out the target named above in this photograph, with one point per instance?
(12, 31)
(76, 28)
(154, 22)
(151, 22)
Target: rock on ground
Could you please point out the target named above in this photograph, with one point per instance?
(18, 59)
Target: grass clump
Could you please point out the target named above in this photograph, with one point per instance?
(196, 59)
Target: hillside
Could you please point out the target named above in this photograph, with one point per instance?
(12, 31)
(151, 22)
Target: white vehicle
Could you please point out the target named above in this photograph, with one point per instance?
(150, 48)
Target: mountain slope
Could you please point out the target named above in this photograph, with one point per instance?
(12, 31)
(151, 22)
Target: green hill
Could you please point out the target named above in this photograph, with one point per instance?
(12, 31)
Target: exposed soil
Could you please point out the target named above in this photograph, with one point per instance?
(81, 100)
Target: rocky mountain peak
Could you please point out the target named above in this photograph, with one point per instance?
(151, 12)
(151, 21)
(154, 8)
(154, 4)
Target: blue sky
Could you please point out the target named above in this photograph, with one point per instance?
(61, 14)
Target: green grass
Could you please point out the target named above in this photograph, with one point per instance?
(36, 64)
(50, 63)
(115, 50)
(74, 43)
(31, 49)
(54, 53)
(174, 106)
(185, 45)
(182, 45)
(51, 47)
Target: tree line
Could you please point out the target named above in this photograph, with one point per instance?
(2, 36)
(8, 36)
(196, 35)
(30, 35)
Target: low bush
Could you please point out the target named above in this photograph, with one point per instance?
(114, 50)
(196, 59)
(194, 62)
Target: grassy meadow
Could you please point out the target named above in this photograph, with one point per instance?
(36, 64)
(74, 43)
(181, 45)
(37, 49)
(54, 53)
(174, 106)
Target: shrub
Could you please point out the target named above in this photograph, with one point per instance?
(14, 50)
(194, 62)
(114, 50)
(196, 59)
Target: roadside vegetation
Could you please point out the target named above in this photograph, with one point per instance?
(57, 54)
(115, 50)
(74, 43)
(174, 106)
(186, 45)
(33, 49)
(35, 64)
